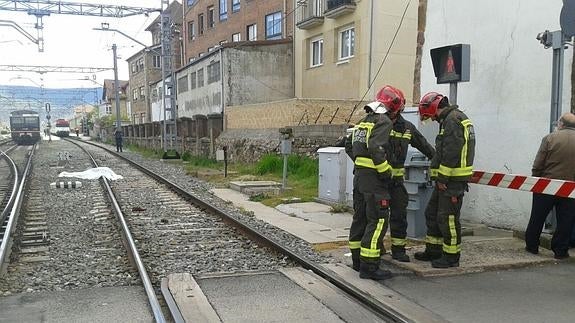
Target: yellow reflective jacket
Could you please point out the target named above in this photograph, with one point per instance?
(455, 147)
(369, 143)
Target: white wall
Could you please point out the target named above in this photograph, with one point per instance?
(508, 97)
(156, 103)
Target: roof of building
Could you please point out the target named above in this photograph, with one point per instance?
(175, 10)
(109, 93)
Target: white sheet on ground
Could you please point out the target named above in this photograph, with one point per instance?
(93, 173)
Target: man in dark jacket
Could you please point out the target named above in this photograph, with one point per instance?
(452, 168)
(403, 134)
(368, 145)
(555, 159)
(119, 136)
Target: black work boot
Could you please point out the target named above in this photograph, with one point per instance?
(398, 253)
(432, 252)
(447, 260)
(370, 270)
(355, 259)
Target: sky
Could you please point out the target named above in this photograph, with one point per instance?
(70, 41)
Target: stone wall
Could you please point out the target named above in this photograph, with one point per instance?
(293, 112)
(249, 145)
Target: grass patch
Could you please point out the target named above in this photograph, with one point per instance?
(145, 152)
(302, 176)
(339, 208)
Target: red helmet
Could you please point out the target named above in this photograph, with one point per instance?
(392, 98)
(429, 103)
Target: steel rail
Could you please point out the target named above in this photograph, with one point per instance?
(383, 310)
(149, 288)
(14, 171)
(15, 211)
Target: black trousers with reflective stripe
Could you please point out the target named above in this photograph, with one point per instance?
(398, 208)
(368, 193)
(359, 220)
(442, 215)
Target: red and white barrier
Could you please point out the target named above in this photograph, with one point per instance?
(525, 183)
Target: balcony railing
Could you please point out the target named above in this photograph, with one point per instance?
(310, 13)
(336, 8)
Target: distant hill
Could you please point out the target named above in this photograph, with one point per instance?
(62, 101)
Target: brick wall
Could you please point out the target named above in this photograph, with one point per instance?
(251, 12)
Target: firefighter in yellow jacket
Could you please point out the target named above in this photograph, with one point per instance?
(452, 168)
(403, 134)
(368, 145)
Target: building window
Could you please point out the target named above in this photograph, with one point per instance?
(191, 30)
(134, 68)
(236, 37)
(211, 21)
(108, 109)
(193, 80)
(200, 77)
(346, 43)
(135, 94)
(201, 24)
(235, 5)
(252, 32)
(140, 64)
(316, 52)
(191, 2)
(274, 25)
(157, 61)
(213, 72)
(183, 84)
(223, 10)
(142, 92)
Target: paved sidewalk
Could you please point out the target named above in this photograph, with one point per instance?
(485, 249)
(309, 221)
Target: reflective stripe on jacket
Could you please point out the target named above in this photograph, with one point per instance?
(455, 147)
(403, 134)
(369, 142)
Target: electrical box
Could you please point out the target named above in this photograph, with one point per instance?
(332, 174)
(285, 146)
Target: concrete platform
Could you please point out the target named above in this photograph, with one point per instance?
(289, 295)
(483, 248)
(112, 304)
(256, 187)
(320, 231)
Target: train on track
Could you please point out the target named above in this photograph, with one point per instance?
(62, 128)
(25, 127)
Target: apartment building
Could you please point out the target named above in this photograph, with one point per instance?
(210, 23)
(108, 106)
(146, 65)
(347, 50)
(236, 75)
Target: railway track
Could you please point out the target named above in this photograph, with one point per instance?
(76, 236)
(270, 241)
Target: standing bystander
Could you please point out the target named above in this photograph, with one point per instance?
(118, 135)
(555, 159)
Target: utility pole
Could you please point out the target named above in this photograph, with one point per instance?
(116, 89)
